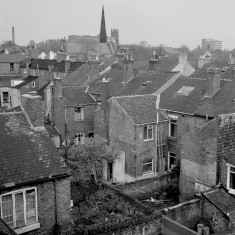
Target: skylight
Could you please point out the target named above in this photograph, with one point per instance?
(185, 90)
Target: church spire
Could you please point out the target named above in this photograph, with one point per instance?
(103, 35)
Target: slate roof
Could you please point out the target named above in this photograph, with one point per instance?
(27, 155)
(221, 199)
(141, 109)
(60, 67)
(11, 58)
(76, 96)
(168, 63)
(146, 83)
(107, 62)
(202, 72)
(223, 102)
(5, 80)
(42, 63)
(26, 81)
(5, 229)
(78, 78)
(115, 76)
(41, 90)
(52, 131)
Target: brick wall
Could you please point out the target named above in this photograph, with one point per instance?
(46, 205)
(226, 144)
(198, 150)
(214, 217)
(5, 68)
(143, 189)
(29, 87)
(187, 213)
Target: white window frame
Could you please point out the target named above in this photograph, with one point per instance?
(12, 66)
(78, 116)
(8, 97)
(148, 172)
(149, 127)
(33, 84)
(77, 136)
(175, 119)
(168, 159)
(231, 190)
(25, 228)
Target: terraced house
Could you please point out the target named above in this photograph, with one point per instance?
(34, 180)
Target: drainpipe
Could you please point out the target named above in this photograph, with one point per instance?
(56, 229)
(135, 153)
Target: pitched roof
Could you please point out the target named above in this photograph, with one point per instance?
(52, 131)
(223, 102)
(73, 95)
(60, 67)
(146, 83)
(27, 154)
(11, 58)
(202, 72)
(168, 63)
(26, 81)
(5, 80)
(222, 200)
(141, 109)
(42, 63)
(41, 90)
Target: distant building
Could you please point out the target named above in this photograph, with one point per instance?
(211, 44)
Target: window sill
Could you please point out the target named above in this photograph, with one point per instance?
(172, 138)
(148, 140)
(148, 173)
(27, 228)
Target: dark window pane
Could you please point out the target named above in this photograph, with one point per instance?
(232, 181)
(145, 132)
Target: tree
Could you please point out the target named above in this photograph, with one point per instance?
(86, 160)
(184, 48)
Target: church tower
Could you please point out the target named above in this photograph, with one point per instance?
(103, 35)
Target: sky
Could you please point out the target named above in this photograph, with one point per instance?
(169, 22)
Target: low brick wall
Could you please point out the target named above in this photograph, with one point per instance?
(187, 213)
(147, 188)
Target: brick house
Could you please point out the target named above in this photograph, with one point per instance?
(131, 124)
(207, 152)
(34, 180)
(10, 63)
(73, 112)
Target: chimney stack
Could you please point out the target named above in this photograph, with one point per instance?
(66, 67)
(154, 62)
(32, 104)
(128, 67)
(212, 81)
(233, 73)
(13, 35)
(182, 58)
(58, 87)
(104, 105)
(93, 70)
(27, 63)
(50, 68)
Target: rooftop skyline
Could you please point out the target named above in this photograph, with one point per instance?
(169, 22)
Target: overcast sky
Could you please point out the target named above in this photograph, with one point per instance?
(168, 22)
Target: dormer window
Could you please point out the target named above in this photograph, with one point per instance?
(148, 132)
(173, 126)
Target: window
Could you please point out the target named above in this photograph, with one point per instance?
(171, 160)
(11, 66)
(24, 71)
(42, 72)
(78, 114)
(231, 179)
(33, 84)
(148, 132)
(185, 90)
(147, 165)
(91, 134)
(19, 208)
(5, 97)
(173, 127)
(79, 138)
